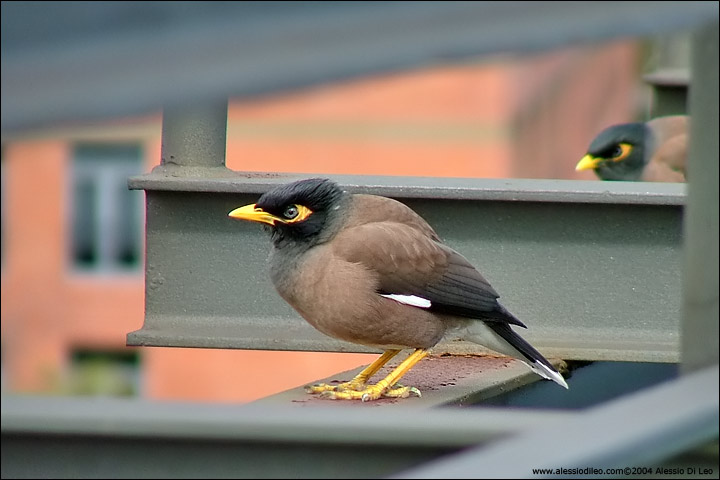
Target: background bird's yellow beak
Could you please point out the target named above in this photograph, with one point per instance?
(588, 162)
(253, 214)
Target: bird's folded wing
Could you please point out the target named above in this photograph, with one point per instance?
(408, 262)
(673, 153)
(670, 137)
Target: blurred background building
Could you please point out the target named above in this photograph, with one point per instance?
(72, 233)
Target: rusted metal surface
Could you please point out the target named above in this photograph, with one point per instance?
(443, 380)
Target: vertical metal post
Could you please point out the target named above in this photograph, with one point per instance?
(193, 144)
(195, 136)
(670, 92)
(671, 75)
(700, 296)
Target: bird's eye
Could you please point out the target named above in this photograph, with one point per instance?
(619, 152)
(616, 151)
(291, 211)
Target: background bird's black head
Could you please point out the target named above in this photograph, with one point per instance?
(607, 146)
(322, 196)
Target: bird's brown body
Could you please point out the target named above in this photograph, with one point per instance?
(655, 151)
(332, 288)
(369, 270)
(669, 156)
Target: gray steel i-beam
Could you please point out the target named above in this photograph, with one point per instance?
(593, 268)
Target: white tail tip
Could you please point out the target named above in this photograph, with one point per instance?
(547, 373)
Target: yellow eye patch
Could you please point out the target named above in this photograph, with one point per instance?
(295, 213)
(622, 154)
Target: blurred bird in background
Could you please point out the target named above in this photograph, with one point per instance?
(654, 151)
(369, 270)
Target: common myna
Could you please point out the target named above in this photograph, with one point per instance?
(369, 270)
(654, 151)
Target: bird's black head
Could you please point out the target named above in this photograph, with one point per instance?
(298, 211)
(618, 152)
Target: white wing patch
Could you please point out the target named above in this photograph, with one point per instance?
(412, 300)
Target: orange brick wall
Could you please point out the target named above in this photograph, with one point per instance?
(447, 122)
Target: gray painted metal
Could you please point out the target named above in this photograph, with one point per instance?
(670, 76)
(640, 430)
(107, 59)
(46, 437)
(593, 268)
(221, 180)
(364, 423)
(700, 307)
(93, 437)
(195, 136)
(670, 92)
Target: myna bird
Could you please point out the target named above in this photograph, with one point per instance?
(654, 151)
(369, 270)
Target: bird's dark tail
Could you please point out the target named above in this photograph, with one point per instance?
(529, 354)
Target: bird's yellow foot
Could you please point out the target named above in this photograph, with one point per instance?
(371, 392)
(356, 389)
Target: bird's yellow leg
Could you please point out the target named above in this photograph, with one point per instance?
(385, 386)
(358, 382)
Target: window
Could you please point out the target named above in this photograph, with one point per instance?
(100, 372)
(106, 216)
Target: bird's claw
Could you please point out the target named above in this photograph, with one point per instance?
(414, 391)
(402, 392)
(340, 387)
(316, 388)
(347, 391)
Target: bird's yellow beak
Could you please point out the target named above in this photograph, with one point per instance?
(253, 214)
(588, 162)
